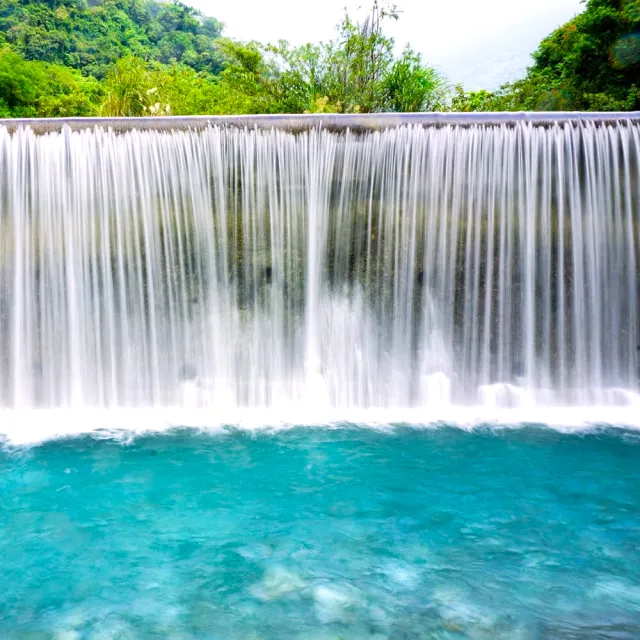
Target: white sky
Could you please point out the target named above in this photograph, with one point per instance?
(478, 42)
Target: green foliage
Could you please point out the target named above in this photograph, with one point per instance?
(92, 35)
(130, 90)
(592, 63)
(356, 72)
(36, 89)
(248, 83)
(481, 100)
(150, 57)
(134, 87)
(303, 78)
(411, 86)
(360, 59)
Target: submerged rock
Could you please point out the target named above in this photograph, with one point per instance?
(336, 603)
(278, 582)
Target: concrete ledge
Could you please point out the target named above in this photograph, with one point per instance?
(296, 123)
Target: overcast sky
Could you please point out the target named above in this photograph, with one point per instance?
(478, 42)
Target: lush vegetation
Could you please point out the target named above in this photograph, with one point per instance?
(29, 89)
(91, 35)
(592, 63)
(144, 57)
(357, 72)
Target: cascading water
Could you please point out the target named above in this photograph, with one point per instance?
(416, 267)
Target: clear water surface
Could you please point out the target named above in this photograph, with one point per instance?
(323, 533)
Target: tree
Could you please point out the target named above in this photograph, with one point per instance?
(134, 87)
(248, 83)
(590, 63)
(31, 89)
(302, 78)
(129, 90)
(360, 59)
(593, 61)
(411, 86)
(91, 36)
(480, 100)
(357, 72)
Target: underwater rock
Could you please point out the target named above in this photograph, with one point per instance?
(336, 603)
(278, 582)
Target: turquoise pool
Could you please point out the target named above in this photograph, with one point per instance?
(323, 533)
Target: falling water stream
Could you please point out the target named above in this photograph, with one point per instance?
(415, 267)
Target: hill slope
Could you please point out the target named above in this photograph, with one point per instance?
(90, 35)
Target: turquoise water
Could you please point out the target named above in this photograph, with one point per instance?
(323, 533)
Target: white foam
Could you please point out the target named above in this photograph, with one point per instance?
(33, 426)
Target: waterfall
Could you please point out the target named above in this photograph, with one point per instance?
(406, 268)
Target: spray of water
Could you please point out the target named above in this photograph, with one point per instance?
(417, 267)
